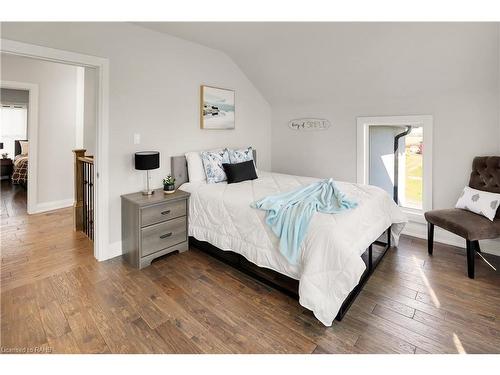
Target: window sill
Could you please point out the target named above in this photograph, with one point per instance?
(416, 216)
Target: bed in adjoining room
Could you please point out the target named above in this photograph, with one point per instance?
(336, 255)
(20, 171)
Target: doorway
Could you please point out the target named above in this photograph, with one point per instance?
(101, 66)
(14, 151)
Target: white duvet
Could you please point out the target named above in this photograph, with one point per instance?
(331, 263)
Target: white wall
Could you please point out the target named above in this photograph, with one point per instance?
(56, 123)
(449, 71)
(343, 70)
(154, 91)
(90, 111)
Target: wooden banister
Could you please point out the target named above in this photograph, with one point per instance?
(78, 205)
(86, 159)
(83, 208)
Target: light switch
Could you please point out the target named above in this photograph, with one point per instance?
(137, 139)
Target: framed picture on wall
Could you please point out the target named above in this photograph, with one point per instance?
(216, 108)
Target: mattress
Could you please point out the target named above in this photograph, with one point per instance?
(330, 265)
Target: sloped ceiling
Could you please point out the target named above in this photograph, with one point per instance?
(292, 63)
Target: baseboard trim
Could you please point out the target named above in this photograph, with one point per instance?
(419, 230)
(114, 250)
(51, 206)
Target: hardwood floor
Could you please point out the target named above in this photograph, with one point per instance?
(13, 200)
(55, 297)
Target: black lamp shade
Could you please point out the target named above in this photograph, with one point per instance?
(146, 160)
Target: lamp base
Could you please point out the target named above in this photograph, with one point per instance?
(148, 192)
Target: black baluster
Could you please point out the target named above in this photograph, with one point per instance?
(84, 199)
(88, 212)
(91, 201)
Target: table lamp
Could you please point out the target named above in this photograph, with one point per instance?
(147, 160)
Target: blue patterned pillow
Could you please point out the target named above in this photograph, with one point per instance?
(212, 163)
(241, 155)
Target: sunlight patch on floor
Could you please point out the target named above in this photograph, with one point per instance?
(433, 295)
(458, 344)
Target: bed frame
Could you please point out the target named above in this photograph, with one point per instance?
(372, 256)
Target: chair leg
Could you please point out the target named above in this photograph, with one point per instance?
(470, 258)
(430, 238)
(478, 248)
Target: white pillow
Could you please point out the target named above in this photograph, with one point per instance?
(24, 147)
(480, 202)
(212, 163)
(196, 172)
(240, 155)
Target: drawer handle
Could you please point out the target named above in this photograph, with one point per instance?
(165, 235)
(165, 212)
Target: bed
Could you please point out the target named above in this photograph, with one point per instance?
(20, 171)
(337, 252)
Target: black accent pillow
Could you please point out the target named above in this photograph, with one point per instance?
(240, 171)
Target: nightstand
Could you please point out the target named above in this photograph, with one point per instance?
(7, 167)
(153, 226)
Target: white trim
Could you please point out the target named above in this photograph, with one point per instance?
(419, 230)
(79, 105)
(115, 249)
(426, 121)
(32, 138)
(50, 206)
(101, 224)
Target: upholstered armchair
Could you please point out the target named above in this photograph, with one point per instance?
(472, 227)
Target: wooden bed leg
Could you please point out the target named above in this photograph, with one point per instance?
(389, 237)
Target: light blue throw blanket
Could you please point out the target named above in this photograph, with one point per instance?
(289, 214)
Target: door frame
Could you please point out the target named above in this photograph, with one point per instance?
(32, 88)
(101, 168)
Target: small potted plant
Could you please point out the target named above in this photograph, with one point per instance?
(5, 155)
(169, 184)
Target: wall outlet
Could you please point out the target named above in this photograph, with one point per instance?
(137, 139)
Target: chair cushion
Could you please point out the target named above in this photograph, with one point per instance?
(466, 224)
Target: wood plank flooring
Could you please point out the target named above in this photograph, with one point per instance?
(56, 298)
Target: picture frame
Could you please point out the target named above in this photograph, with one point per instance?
(217, 108)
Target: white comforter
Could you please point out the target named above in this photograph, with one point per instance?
(331, 263)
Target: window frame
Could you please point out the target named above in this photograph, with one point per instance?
(424, 121)
(3, 137)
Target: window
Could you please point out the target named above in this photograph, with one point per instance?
(412, 168)
(14, 120)
(395, 154)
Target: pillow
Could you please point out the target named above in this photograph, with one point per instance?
(480, 202)
(240, 155)
(24, 147)
(239, 172)
(196, 172)
(212, 163)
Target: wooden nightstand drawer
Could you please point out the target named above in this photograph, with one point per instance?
(153, 226)
(162, 212)
(163, 235)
